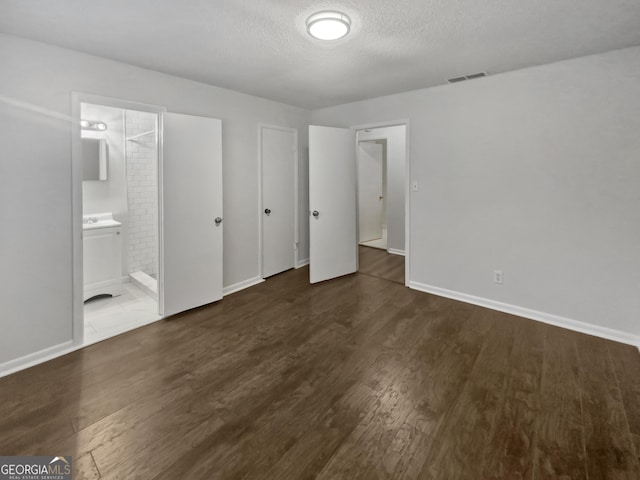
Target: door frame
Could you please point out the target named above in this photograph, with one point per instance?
(407, 187)
(77, 98)
(296, 240)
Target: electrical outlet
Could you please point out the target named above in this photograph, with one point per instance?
(498, 277)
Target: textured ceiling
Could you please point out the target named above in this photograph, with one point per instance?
(261, 46)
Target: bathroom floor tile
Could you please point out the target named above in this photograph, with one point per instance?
(107, 317)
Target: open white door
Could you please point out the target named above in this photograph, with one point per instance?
(191, 212)
(370, 191)
(332, 202)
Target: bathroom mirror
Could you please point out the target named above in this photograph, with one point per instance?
(94, 159)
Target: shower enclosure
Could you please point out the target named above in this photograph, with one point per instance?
(141, 152)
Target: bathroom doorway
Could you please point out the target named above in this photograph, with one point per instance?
(120, 219)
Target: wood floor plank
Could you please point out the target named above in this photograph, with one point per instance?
(560, 442)
(358, 377)
(510, 451)
(636, 442)
(85, 468)
(407, 453)
(472, 419)
(609, 446)
(44, 425)
(447, 355)
(389, 378)
(625, 360)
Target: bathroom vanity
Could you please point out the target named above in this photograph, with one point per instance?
(102, 245)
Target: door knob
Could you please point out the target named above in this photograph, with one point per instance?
(218, 220)
(316, 213)
(267, 211)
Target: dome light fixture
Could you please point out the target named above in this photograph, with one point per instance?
(329, 25)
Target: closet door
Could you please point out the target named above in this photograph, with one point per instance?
(279, 153)
(191, 212)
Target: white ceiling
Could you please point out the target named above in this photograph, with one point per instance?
(261, 47)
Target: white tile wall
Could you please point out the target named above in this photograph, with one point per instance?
(142, 192)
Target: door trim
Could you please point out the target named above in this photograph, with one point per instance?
(77, 98)
(296, 240)
(407, 186)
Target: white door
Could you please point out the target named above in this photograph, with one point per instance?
(191, 212)
(332, 203)
(279, 154)
(370, 191)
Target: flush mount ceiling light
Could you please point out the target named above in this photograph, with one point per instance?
(328, 25)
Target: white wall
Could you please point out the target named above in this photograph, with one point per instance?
(396, 179)
(535, 172)
(35, 176)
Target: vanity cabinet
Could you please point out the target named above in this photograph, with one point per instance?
(102, 261)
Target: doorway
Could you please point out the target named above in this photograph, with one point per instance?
(334, 196)
(188, 221)
(382, 172)
(119, 219)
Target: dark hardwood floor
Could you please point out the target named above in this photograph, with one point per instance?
(378, 263)
(358, 377)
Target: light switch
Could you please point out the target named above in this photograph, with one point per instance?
(414, 186)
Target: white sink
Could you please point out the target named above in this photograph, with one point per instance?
(99, 220)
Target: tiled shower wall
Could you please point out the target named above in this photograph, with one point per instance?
(142, 192)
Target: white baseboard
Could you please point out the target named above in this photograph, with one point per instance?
(568, 323)
(241, 285)
(302, 263)
(35, 358)
(394, 251)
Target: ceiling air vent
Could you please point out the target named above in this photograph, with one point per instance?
(467, 77)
